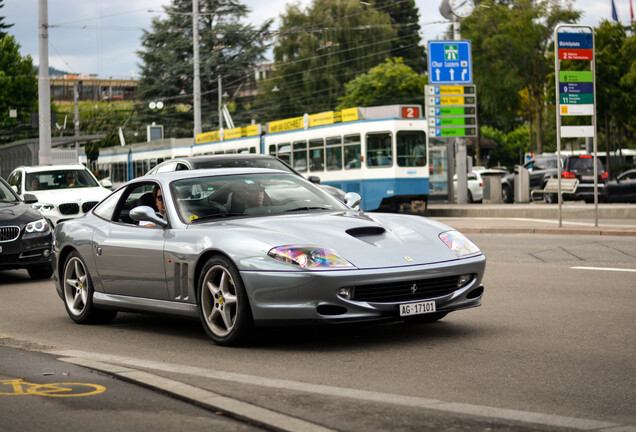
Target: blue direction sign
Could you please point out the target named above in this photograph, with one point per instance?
(576, 87)
(575, 40)
(450, 62)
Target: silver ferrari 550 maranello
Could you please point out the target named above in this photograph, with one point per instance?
(244, 247)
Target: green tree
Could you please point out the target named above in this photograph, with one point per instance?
(319, 50)
(3, 26)
(391, 82)
(405, 19)
(227, 47)
(510, 40)
(18, 90)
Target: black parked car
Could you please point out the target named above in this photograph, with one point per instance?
(26, 240)
(540, 169)
(581, 167)
(623, 189)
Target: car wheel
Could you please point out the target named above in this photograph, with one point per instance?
(223, 304)
(505, 194)
(43, 271)
(550, 198)
(78, 293)
(426, 318)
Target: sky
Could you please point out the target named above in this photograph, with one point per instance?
(102, 36)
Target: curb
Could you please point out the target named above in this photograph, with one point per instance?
(575, 231)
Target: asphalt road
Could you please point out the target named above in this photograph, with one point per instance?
(552, 346)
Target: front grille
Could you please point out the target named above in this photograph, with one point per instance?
(412, 290)
(69, 208)
(88, 205)
(9, 233)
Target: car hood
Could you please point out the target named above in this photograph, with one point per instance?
(366, 241)
(77, 195)
(17, 213)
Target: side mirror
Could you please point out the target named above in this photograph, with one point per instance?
(352, 199)
(147, 214)
(106, 183)
(30, 198)
(314, 179)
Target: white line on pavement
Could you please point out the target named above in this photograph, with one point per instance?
(604, 269)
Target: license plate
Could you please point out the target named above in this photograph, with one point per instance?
(418, 308)
(587, 177)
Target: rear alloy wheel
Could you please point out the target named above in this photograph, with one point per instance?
(78, 293)
(223, 304)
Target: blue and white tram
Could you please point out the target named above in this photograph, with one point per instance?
(381, 155)
(379, 152)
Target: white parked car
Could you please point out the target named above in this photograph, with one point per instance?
(475, 186)
(62, 191)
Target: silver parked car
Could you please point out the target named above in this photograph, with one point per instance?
(240, 247)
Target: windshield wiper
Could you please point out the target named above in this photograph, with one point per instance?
(307, 208)
(216, 216)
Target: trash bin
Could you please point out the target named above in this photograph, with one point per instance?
(492, 187)
(522, 185)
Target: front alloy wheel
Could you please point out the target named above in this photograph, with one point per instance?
(224, 306)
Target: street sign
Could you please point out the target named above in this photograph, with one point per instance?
(451, 110)
(450, 62)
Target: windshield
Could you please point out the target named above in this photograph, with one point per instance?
(212, 197)
(6, 194)
(59, 179)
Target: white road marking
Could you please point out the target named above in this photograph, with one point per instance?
(605, 269)
(372, 396)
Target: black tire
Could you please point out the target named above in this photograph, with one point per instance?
(77, 288)
(42, 271)
(505, 194)
(426, 318)
(223, 304)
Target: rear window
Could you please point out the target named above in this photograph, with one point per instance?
(583, 164)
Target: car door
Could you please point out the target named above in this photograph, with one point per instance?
(129, 257)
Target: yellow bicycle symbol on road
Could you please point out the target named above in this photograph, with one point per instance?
(21, 388)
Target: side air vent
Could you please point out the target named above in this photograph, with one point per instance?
(365, 231)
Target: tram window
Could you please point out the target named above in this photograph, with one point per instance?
(352, 151)
(284, 152)
(243, 150)
(316, 155)
(299, 158)
(379, 149)
(411, 148)
(252, 149)
(334, 153)
(272, 149)
(219, 152)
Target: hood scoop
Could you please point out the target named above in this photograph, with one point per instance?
(365, 231)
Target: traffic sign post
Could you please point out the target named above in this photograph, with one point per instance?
(575, 94)
(451, 110)
(450, 62)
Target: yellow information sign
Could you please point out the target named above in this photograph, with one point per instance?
(452, 100)
(451, 90)
(286, 124)
(208, 137)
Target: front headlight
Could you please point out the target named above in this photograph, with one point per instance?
(40, 225)
(309, 257)
(459, 244)
(43, 207)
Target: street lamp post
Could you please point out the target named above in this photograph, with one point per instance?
(197, 80)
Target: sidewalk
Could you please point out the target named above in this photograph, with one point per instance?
(537, 218)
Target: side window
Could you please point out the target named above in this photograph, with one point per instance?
(134, 196)
(334, 153)
(316, 155)
(167, 168)
(106, 208)
(300, 156)
(379, 152)
(411, 148)
(181, 167)
(17, 181)
(352, 151)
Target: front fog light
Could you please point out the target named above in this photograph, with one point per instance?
(346, 293)
(463, 280)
